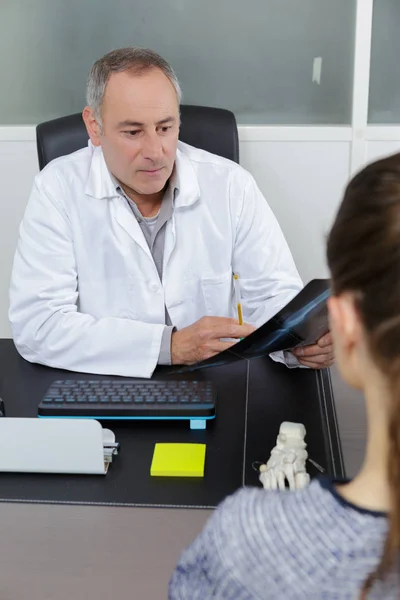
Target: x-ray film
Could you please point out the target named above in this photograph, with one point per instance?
(300, 323)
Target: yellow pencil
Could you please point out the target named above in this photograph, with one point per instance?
(238, 298)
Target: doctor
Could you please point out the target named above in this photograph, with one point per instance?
(127, 247)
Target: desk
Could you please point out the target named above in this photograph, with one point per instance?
(53, 552)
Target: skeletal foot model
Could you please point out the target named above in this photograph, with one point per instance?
(288, 460)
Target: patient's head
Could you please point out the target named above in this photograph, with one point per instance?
(364, 260)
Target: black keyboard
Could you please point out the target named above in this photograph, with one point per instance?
(129, 399)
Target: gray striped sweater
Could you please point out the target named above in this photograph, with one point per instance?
(306, 544)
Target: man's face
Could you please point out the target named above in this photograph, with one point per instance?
(139, 137)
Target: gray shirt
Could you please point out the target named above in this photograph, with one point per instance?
(153, 229)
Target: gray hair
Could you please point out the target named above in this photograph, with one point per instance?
(134, 60)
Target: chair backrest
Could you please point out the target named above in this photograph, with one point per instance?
(212, 129)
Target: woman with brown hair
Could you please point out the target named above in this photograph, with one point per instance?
(332, 539)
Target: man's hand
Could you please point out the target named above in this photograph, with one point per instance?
(318, 356)
(203, 339)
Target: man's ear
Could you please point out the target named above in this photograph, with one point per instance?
(344, 319)
(92, 126)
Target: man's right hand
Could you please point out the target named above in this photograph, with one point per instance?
(202, 340)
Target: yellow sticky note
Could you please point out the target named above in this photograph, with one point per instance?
(178, 460)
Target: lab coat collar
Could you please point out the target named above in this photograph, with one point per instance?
(188, 189)
(100, 183)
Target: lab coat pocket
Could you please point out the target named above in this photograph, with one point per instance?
(217, 292)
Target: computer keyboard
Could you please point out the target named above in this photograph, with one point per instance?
(129, 399)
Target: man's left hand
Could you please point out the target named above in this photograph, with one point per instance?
(317, 356)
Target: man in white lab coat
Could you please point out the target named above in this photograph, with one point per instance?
(128, 247)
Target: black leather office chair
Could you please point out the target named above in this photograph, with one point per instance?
(212, 129)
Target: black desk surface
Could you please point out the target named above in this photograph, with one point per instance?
(253, 399)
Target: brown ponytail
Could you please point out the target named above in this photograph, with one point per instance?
(392, 542)
(364, 258)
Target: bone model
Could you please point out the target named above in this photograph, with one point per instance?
(288, 460)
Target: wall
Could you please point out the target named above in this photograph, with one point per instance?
(18, 165)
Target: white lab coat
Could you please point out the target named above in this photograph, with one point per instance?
(85, 293)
